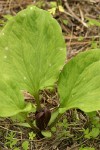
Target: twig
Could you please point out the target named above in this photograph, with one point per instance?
(10, 130)
(77, 37)
(79, 144)
(78, 43)
(81, 13)
(2, 146)
(73, 14)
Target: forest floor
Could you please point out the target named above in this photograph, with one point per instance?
(80, 23)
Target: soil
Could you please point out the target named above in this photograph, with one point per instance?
(78, 37)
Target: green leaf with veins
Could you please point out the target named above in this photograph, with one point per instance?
(47, 134)
(11, 99)
(79, 82)
(33, 48)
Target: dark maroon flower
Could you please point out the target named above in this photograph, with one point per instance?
(42, 118)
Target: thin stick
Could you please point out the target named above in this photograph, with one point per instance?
(73, 14)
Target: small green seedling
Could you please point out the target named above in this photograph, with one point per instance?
(91, 134)
(11, 141)
(25, 145)
(54, 7)
(32, 58)
(31, 135)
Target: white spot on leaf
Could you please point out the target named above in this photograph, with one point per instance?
(31, 8)
(49, 65)
(5, 57)
(61, 49)
(24, 78)
(24, 14)
(6, 48)
(72, 95)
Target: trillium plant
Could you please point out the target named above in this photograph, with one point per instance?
(32, 59)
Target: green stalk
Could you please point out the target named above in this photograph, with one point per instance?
(54, 118)
(37, 101)
(55, 121)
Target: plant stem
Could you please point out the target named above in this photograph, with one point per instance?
(37, 101)
(55, 121)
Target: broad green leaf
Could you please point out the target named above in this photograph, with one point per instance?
(11, 100)
(79, 82)
(95, 132)
(7, 17)
(33, 48)
(23, 125)
(25, 145)
(47, 134)
(54, 115)
(20, 117)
